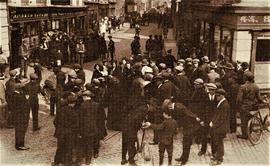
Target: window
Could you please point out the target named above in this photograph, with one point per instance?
(263, 50)
(60, 2)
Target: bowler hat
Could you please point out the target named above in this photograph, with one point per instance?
(145, 62)
(244, 64)
(212, 65)
(205, 59)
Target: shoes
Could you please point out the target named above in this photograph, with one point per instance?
(124, 161)
(22, 148)
(217, 162)
(183, 163)
(153, 143)
(201, 153)
(132, 164)
(178, 159)
(242, 137)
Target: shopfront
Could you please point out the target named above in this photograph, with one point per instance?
(30, 23)
(234, 32)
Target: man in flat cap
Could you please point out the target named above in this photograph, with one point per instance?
(10, 88)
(195, 72)
(219, 126)
(212, 74)
(87, 127)
(207, 113)
(33, 89)
(149, 45)
(20, 105)
(183, 84)
(66, 131)
(135, 46)
(248, 98)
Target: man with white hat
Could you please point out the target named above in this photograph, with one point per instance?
(182, 82)
(212, 74)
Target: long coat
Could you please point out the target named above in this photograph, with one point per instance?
(220, 119)
(20, 106)
(132, 123)
(87, 118)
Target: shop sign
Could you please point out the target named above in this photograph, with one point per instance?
(28, 15)
(254, 20)
(67, 14)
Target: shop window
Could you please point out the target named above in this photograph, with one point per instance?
(263, 50)
(217, 41)
(226, 44)
(34, 28)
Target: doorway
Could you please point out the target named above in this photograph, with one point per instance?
(16, 41)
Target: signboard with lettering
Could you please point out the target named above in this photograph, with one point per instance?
(254, 20)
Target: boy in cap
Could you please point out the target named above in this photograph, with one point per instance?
(168, 129)
(219, 126)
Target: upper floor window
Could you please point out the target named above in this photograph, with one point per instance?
(60, 2)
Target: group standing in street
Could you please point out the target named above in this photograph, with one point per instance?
(154, 90)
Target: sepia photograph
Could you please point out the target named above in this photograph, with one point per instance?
(134, 82)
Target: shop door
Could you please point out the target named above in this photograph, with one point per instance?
(15, 44)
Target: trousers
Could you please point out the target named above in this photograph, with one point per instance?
(128, 147)
(169, 149)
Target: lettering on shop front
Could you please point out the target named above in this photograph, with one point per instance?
(254, 20)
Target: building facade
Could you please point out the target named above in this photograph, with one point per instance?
(4, 37)
(30, 19)
(238, 31)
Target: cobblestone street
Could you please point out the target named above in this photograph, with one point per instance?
(43, 145)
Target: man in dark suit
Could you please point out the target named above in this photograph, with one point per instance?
(66, 130)
(87, 126)
(182, 82)
(219, 126)
(111, 48)
(132, 125)
(169, 59)
(191, 123)
(20, 106)
(33, 89)
(209, 107)
(248, 98)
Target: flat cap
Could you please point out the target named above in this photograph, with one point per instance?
(195, 60)
(72, 74)
(188, 60)
(181, 61)
(211, 86)
(179, 68)
(212, 65)
(244, 64)
(220, 92)
(162, 65)
(198, 81)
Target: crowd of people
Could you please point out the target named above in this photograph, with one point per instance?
(140, 91)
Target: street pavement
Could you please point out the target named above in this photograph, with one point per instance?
(43, 145)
